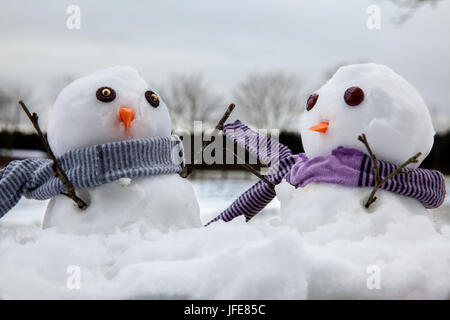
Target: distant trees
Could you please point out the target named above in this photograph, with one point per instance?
(190, 98)
(266, 100)
(441, 119)
(412, 4)
(409, 7)
(11, 114)
(271, 100)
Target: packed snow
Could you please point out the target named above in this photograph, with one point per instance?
(262, 259)
(22, 153)
(170, 204)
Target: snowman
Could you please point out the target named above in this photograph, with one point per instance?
(112, 106)
(364, 98)
(332, 180)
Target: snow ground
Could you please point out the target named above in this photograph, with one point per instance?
(213, 195)
(232, 260)
(22, 153)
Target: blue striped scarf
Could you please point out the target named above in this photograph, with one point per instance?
(89, 167)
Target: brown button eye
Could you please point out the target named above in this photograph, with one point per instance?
(353, 96)
(152, 98)
(105, 94)
(311, 101)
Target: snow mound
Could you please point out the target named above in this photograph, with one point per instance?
(258, 260)
(233, 260)
(396, 236)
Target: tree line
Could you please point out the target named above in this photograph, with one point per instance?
(264, 100)
(437, 159)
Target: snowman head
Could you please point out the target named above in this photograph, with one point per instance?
(371, 99)
(114, 104)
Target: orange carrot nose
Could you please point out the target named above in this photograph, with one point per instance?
(126, 116)
(321, 127)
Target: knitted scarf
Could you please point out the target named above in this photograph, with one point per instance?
(89, 167)
(343, 166)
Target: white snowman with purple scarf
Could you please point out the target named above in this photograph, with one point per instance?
(362, 107)
(107, 109)
(363, 98)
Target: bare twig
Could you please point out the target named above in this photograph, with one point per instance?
(376, 170)
(378, 181)
(226, 115)
(219, 127)
(57, 169)
(251, 169)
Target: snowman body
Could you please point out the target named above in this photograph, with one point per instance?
(370, 99)
(163, 202)
(322, 206)
(113, 105)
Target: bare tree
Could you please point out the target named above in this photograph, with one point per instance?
(414, 4)
(441, 119)
(189, 99)
(10, 114)
(271, 100)
(60, 83)
(409, 7)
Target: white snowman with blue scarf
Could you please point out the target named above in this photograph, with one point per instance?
(116, 105)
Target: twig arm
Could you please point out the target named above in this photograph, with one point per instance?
(251, 169)
(373, 157)
(226, 115)
(57, 169)
(187, 170)
(219, 127)
(378, 181)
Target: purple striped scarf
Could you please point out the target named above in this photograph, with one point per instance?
(343, 166)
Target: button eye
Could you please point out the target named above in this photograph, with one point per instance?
(152, 98)
(311, 101)
(105, 94)
(353, 96)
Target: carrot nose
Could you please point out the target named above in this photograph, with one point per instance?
(321, 127)
(126, 116)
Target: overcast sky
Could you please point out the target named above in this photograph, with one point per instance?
(225, 40)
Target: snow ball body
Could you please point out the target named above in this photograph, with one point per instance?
(79, 119)
(397, 124)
